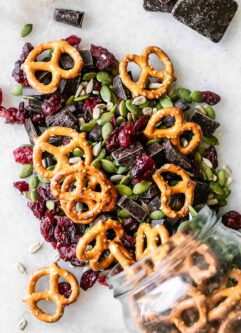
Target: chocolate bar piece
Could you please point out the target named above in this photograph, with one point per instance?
(155, 204)
(207, 124)
(68, 87)
(150, 193)
(68, 16)
(201, 193)
(127, 156)
(34, 106)
(159, 5)
(174, 156)
(210, 18)
(63, 118)
(157, 153)
(96, 134)
(32, 130)
(134, 209)
(66, 62)
(121, 91)
(88, 59)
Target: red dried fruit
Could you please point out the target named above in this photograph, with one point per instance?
(143, 168)
(130, 225)
(22, 186)
(1, 96)
(67, 251)
(212, 155)
(88, 279)
(27, 48)
(232, 220)
(128, 241)
(46, 194)
(23, 155)
(38, 207)
(210, 97)
(97, 85)
(47, 227)
(76, 262)
(73, 40)
(102, 280)
(141, 123)
(18, 75)
(112, 141)
(54, 104)
(91, 103)
(126, 134)
(12, 115)
(103, 58)
(65, 232)
(65, 289)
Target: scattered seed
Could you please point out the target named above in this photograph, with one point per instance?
(90, 86)
(89, 76)
(21, 268)
(123, 214)
(26, 30)
(154, 110)
(105, 93)
(207, 170)
(33, 182)
(129, 117)
(78, 91)
(211, 196)
(82, 93)
(123, 190)
(121, 170)
(145, 206)
(147, 111)
(222, 177)
(74, 160)
(210, 140)
(141, 187)
(35, 248)
(79, 207)
(108, 166)
(212, 202)
(116, 178)
(166, 102)
(50, 204)
(132, 108)
(208, 162)
(216, 188)
(139, 100)
(102, 154)
(155, 85)
(106, 129)
(88, 127)
(96, 163)
(96, 113)
(227, 169)
(77, 152)
(17, 91)
(34, 195)
(105, 118)
(81, 121)
(210, 112)
(70, 100)
(215, 178)
(109, 106)
(200, 108)
(104, 77)
(230, 180)
(157, 215)
(27, 171)
(22, 324)
(97, 148)
(95, 92)
(126, 180)
(196, 96)
(184, 142)
(81, 98)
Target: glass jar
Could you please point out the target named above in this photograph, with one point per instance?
(191, 284)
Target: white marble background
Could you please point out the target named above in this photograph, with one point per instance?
(122, 26)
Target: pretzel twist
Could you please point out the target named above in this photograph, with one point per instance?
(78, 140)
(227, 324)
(52, 294)
(59, 47)
(174, 133)
(147, 71)
(121, 254)
(185, 186)
(98, 234)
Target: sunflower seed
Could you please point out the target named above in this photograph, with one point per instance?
(96, 113)
(78, 91)
(207, 162)
(211, 196)
(109, 106)
(227, 169)
(147, 111)
(116, 178)
(74, 160)
(26, 30)
(155, 85)
(145, 206)
(90, 86)
(35, 248)
(83, 93)
(84, 84)
(215, 178)
(56, 257)
(139, 100)
(22, 324)
(184, 142)
(97, 148)
(212, 202)
(229, 180)
(95, 92)
(81, 121)
(154, 110)
(21, 268)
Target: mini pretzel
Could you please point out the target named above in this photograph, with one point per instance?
(152, 235)
(147, 71)
(227, 325)
(185, 186)
(174, 132)
(98, 234)
(121, 254)
(59, 47)
(78, 140)
(228, 296)
(52, 294)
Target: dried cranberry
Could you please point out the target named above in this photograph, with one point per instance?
(196, 168)
(210, 97)
(88, 279)
(112, 141)
(232, 220)
(113, 121)
(128, 241)
(126, 135)
(65, 289)
(12, 115)
(54, 104)
(76, 262)
(97, 85)
(38, 207)
(22, 186)
(18, 75)
(130, 225)
(103, 58)
(211, 154)
(141, 123)
(65, 231)
(142, 168)
(91, 103)
(1, 96)
(47, 227)
(27, 48)
(73, 40)
(23, 155)
(46, 194)
(67, 251)
(102, 280)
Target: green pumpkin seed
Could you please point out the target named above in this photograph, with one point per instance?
(108, 166)
(119, 120)
(97, 149)
(150, 142)
(174, 95)
(132, 108)
(27, 171)
(141, 187)
(223, 203)
(123, 214)
(192, 211)
(77, 152)
(140, 100)
(144, 105)
(33, 182)
(34, 195)
(122, 108)
(166, 102)
(157, 215)
(183, 226)
(96, 163)
(26, 30)
(198, 157)
(89, 76)
(123, 190)
(105, 93)
(196, 96)
(101, 154)
(43, 180)
(207, 170)
(126, 180)
(184, 94)
(70, 101)
(88, 127)
(210, 112)
(50, 204)
(51, 167)
(114, 99)
(121, 170)
(106, 129)
(116, 178)
(17, 91)
(105, 118)
(216, 188)
(222, 177)
(104, 77)
(210, 140)
(80, 98)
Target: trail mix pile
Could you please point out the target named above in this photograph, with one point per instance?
(97, 103)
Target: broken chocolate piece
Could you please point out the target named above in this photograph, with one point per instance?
(63, 118)
(134, 209)
(155, 204)
(150, 193)
(201, 193)
(121, 91)
(88, 59)
(68, 16)
(210, 18)
(159, 5)
(96, 134)
(66, 62)
(69, 87)
(27, 91)
(127, 156)
(157, 153)
(56, 140)
(173, 155)
(32, 130)
(34, 106)
(207, 124)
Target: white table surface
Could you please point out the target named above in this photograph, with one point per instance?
(122, 26)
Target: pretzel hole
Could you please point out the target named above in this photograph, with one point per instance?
(234, 326)
(134, 71)
(199, 260)
(171, 178)
(44, 56)
(104, 255)
(66, 62)
(110, 234)
(176, 201)
(42, 283)
(166, 122)
(190, 316)
(44, 77)
(47, 307)
(155, 62)
(185, 138)
(232, 282)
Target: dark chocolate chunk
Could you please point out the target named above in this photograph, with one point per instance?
(201, 193)
(182, 105)
(69, 87)
(173, 155)
(207, 124)
(96, 134)
(155, 204)
(88, 59)
(27, 91)
(169, 121)
(157, 153)
(84, 113)
(210, 18)
(127, 156)
(34, 106)
(150, 193)
(31, 129)
(63, 118)
(121, 91)
(56, 140)
(66, 62)
(68, 16)
(134, 209)
(159, 5)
